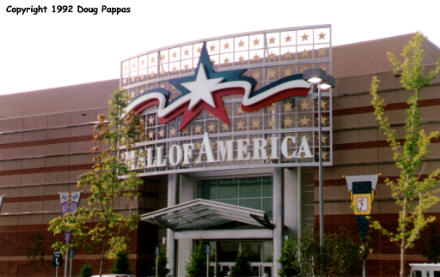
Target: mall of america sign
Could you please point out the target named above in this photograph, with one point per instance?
(231, 102)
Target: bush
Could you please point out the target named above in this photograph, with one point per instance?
(197, 263)
(162, 269)
(242, 266)
(86, 270)
(340, 256)
(121, 264)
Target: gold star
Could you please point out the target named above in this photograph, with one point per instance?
(151, 135)
(211, 127)
(321, 36)
(162, 57)
(256, 41)
(143, 62)
(226, 60)
(271, 108)
(241, 58)
(324, 155)
(124, 81)
(256, 124)
(199, 50)
(226, 46)
(304, 105)
(152, 59)
(198, 128)
(212, 47)
(305, 37)
(288, 38)
(151, 120)
(198, 145)
(239, 110)
(186, 52)
(271, 40)
(288, 107)
(305, 121)
(225, 127)
(241, 43)
(272, 57)
(185, 131)
(288, 122)
(288, 55)
(256, 75)
(323, 104)
(240, 124)
(324, 139)
(272, 74)
(173, 132)
(174, 54)
(271, 123)
(256, 57)
(161, 133)
(288, 71)
(174, 69)
(324, 120)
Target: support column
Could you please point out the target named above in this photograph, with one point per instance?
(277, 218)
(172, 200)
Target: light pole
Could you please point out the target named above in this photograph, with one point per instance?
(318, 78)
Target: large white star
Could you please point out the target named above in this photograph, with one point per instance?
(201, 88)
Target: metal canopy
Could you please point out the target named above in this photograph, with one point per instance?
(203, 214)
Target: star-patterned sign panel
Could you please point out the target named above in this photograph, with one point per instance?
(189, 76)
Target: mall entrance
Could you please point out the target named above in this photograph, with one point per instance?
(224, 253)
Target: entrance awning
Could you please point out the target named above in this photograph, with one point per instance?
(203, 214)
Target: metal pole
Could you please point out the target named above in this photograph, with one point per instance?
(56, 271)
(65, 265)
(70, 267)
(157, 265)
(321, 189)
(207, 265)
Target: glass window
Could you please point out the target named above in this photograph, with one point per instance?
(227, 251)
(255, 193)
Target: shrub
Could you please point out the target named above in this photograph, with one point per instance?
(86, 270)
(242, 266)
(121, 264)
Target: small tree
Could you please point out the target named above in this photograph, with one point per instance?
(99, 224)
(412, 194)
(36, 250)
(162, 269)
(86, 270)
(121, 264)
(290, 264)
(196, 265)
(242, 266)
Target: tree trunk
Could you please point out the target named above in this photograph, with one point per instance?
(402, 261)
(101, 262)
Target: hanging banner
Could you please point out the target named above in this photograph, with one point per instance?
(69, 203)
(362, 188)
(1, 201)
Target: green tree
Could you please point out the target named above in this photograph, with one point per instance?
(196, 265)
(242, 266)
(121, 264)
(86, 270)
(110, 180)
(162, 269)
(290, 263)
(414, 195)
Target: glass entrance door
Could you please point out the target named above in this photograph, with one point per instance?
(258, 252)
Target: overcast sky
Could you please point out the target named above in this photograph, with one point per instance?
(50, 50)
